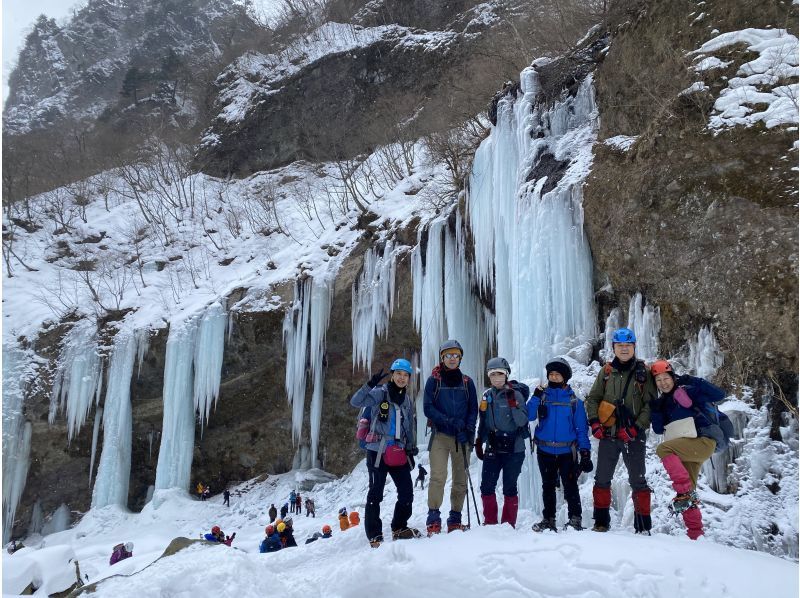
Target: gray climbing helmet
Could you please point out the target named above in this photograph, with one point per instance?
(449, 345)
(498, 363)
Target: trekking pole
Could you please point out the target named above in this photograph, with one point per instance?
(471, 487)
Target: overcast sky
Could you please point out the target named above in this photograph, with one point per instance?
(18, 16)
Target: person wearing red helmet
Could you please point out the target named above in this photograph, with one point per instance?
(217, 535)
(688, 438)
(272, 540)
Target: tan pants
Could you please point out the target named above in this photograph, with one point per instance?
(442, 447)
(692, 452)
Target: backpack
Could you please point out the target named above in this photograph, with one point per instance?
(719, 427)
(363, 425)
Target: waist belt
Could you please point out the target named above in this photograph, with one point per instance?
(553, 444)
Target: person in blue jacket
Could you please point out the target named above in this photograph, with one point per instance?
(451, 406)
(682, 398)
(391, 446)
(561, 436)
(272, 540)
(503, 426)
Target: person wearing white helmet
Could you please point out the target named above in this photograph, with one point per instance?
(391, 447)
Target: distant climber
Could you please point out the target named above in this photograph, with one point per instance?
(310, 508)
(286, 532)
(292, 500)
(421, 473)
(344, 522)
(284, 510)
(226, 497)
(298, 504)
(272, 540)
(217, 535)
(120, 552)
(273, 513)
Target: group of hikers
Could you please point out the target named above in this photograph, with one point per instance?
(204, 492)
(625, 399)
(293, 505)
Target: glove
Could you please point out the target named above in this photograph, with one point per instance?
(461, 437)
(597, 429)
(512, 402)
(628, 433)
(586, 464)
(541, 411)
(479, 449)
(412, 451)
(376, 379)
(538, 392)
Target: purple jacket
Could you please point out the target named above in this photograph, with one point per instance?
(119, 555)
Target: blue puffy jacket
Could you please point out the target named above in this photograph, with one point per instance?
(665, 409)
(452, 409)
(271, 543)
(565, 424)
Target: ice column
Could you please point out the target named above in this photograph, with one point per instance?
(16, 435)
(78, 377)
(177, 435)
(445, 305)
(705, 357)
(304, 330)
(208, 353)
(98, 417)
(645, 321)
(114, 470)
(373, 303)
(525, 212)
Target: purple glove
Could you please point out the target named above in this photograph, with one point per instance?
(682, 398)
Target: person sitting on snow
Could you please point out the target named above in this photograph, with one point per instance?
(121, 552)
(326, 531)
(344, 522)
(272, 540)
(217, 535)
(286, 533)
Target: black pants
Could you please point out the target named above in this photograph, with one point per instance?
(493, 463)
(552, 467)
(401, 476)
(632, 453)
(421, 480)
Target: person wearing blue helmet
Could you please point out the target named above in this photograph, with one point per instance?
(618, 408)
(391, 447)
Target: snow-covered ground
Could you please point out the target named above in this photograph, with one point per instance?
(495, 561)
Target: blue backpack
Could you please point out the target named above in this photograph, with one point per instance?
(719, 427)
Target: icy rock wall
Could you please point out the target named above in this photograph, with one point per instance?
(644, 320)
(114, 470)
(16, 436)
(705, 357)
(373, 303)
(304, 330)
(444, 306)
(527, 223)
(192, 373)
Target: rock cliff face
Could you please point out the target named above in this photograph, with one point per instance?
(702, 222)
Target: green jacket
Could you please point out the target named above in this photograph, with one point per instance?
(637, 398)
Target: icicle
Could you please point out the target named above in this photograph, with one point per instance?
(150, 436)
(16, 435)
(77, 377)
(613, 321)
(98, 416)
(230, 326)
(373, 303)
(142, 345)
(37, 519)
(320, 315)
(646, 325)
(208, 355)
(177, 433)
(58, 522)
(295, 339)
(114, 470)
(705, 357)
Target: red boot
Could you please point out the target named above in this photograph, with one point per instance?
(489, 509)
(694, 522)
(510, 506)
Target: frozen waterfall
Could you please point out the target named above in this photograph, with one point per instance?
(705, 357)
(208, 352)
(78, 376)
(16, 435)
(645, 321)
(373, 303)
(304, 330)
(114, 470)
(526, 216)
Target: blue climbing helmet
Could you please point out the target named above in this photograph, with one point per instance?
(623, 335)
(404, 365)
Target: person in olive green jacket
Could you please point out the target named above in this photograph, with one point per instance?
(618, 408)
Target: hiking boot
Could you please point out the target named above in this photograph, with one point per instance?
(683, 502)
(575, 523)
(434, 528)
(406, 533)
(452, 527)
(376, 541)
(548, 523)
(599, 527)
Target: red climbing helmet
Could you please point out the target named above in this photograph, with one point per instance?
(215, 530)
(661, 366)
(269, 530)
